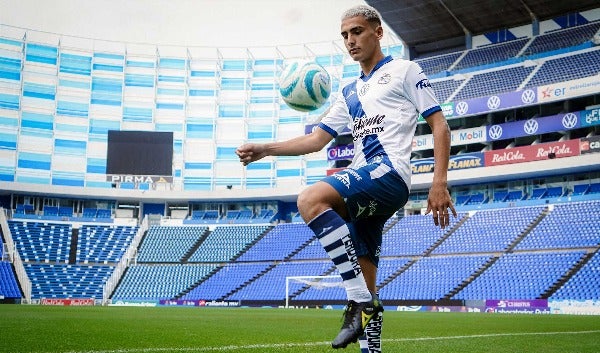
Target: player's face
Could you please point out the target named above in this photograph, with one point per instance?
(361, 38)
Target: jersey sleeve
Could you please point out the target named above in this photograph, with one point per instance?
(418, 88)
(338, 117)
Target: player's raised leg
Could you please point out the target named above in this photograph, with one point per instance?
(320, 205)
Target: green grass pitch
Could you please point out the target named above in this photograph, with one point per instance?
(27, 328)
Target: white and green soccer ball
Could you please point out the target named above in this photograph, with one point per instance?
(304, 85)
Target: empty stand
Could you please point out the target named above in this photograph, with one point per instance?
(226, 242)
(169, 243)
(489, 231)
(567, 68)
(493, 82)
(562, 38)
(566, 226)
(522, 275)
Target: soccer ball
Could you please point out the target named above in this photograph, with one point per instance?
(304, 85)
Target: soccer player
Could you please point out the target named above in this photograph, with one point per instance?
(347, 210)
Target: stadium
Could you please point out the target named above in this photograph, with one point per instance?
(129, 224)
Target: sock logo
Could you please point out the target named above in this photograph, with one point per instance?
(373, 334)
(349, 247)
(324, 231)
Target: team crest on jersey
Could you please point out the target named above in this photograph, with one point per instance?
(364, 89)
(385, 79)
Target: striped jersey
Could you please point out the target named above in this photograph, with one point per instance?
(381, 110)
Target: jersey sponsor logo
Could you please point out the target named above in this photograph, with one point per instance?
(367, 126)
(424, 83)
(385, 79)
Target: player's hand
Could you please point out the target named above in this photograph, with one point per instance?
(250, 152)
(439, 203)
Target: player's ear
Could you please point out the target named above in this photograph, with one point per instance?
(379, 32)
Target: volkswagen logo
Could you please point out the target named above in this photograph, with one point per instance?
(528, 96)
(461, 108)
(495, 132)
(530, 127)
(493, 102)
(569, 120)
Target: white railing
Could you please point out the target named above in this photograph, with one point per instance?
(129, 256)
(15, 258)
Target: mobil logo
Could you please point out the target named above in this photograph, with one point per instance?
(419, 142)
(470, 135)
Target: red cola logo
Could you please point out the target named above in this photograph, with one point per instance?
(557, 150)
(508, 156)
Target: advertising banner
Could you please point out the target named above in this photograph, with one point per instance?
(534, 126)
(589, 144)
(569, 89)
(514, 303)
(525, 306)
(340, 152)
(219, 303)
(537, 152)
(333, 171)
(590, 117)
(67, 302)
(462, 161)
(496, 102)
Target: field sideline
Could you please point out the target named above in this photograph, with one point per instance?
(37, 329)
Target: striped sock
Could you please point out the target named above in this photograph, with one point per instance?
(370, 342)
(334, 236)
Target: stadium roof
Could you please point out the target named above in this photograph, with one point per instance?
(433, 25)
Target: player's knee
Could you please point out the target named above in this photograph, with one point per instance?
(309, 205)
(303, 203)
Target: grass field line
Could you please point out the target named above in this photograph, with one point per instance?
(313, 344)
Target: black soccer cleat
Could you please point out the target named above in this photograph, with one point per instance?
(356, 317)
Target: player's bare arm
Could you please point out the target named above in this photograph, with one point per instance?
(439, 200)
(300, 145)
